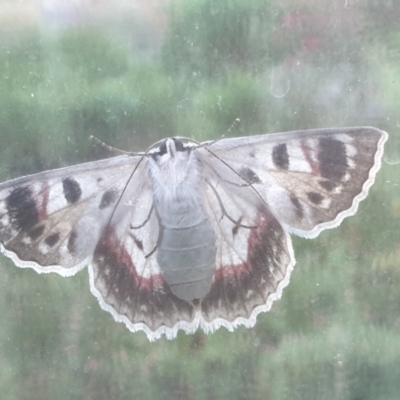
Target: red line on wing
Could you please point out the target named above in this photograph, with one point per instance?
(112, 245)
(44, 191)
(231, 271)
(256, 238)
(307, 154)
(237, 283)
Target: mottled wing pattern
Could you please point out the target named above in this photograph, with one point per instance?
(98, 214)
(124, 274)
(263, 187)
(311, 180)
(254, 253)
(52, 221)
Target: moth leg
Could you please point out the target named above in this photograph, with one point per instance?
(152, 208)
(146, 220)
(237, 223)
(230, 182)
(160, 234)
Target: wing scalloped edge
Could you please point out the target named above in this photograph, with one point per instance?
(198, 321)
(65, 272)
(356, 201)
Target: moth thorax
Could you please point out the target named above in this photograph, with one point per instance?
(181, 206)
(179, 176)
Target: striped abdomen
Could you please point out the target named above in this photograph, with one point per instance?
(186, 257)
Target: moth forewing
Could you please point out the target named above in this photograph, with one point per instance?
(50, 221)
(310, 180)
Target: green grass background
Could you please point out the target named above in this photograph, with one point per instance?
(190, 68)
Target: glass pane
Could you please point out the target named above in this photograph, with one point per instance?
(133, 72)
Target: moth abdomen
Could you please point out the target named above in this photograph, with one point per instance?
(186, 257)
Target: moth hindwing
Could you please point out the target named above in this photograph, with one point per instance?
(187, 235)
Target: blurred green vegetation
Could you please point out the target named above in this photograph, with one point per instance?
(335, 334)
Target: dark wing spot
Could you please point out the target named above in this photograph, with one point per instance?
(71, 246)
(315, 198)
(35, 233)
(22, 208)
(332, 158)
(280, 156)
(108, 198)
(249, 175)
(328, 185)
(72, 190)
(298, 207)
(52, 239)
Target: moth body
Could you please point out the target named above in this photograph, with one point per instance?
(187, 251)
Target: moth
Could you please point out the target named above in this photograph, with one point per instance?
(189, 235)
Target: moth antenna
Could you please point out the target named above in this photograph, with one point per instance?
(110, 148)
(235, 123)
(206, 144)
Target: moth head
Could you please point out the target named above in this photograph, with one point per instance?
(172, 162)
(171, 150)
